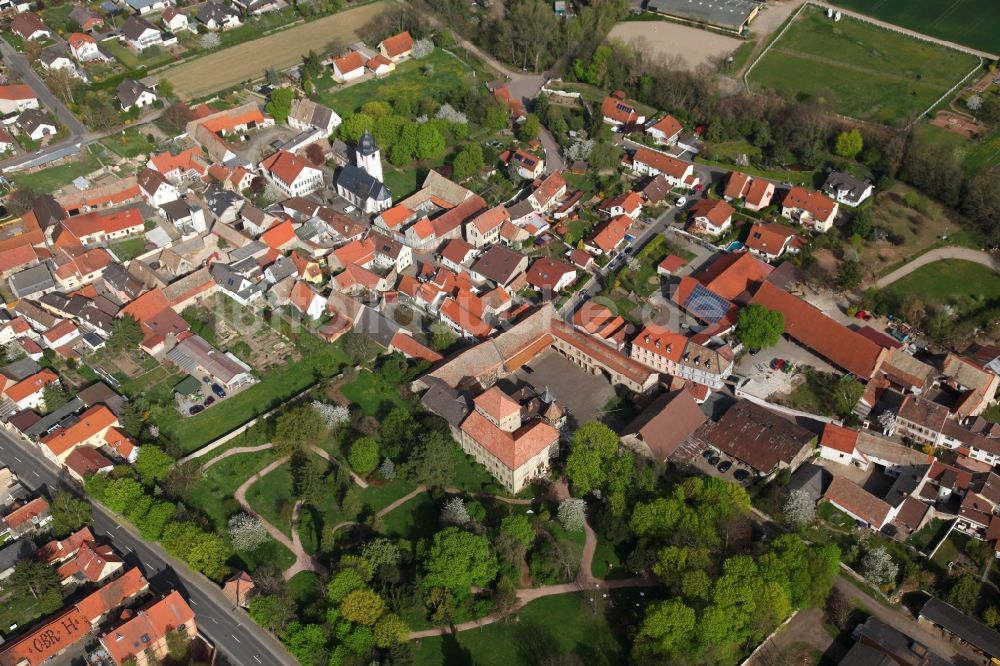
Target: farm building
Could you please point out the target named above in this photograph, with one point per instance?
(730, 15)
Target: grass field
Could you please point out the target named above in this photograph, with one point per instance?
(546, 629)
(372, 395)
(229, 67)
(129, 143)
(53, 178)
(863, 71)
(962, 285)
(971, 23)
(408, 80)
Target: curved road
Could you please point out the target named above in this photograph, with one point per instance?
(963, 253)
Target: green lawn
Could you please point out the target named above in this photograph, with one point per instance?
(402, 183)
(470, 476)
(968, 22)
(607, 564)
(379, 495)
(950, 550)
(158, 375)
(129, 248)
(372, 395)
(57, 18)
(129, 143)
(962, 285)
(278, 385)
(17, 610)
(546, 629)
(51, 179)
(985, 155)
(213, 494)
(835, 516)
(271, 496)
(929, 535)
(410, 79)
(864, 71)
(416, 519)
(150, 58)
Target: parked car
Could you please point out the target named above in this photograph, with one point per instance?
(714, 460)
(206, 378)
(218, 390)
(707, 453)
(724, 466)
(196, 409)
(681, 201)
(209, 400)
(350, 209)
(864, 315)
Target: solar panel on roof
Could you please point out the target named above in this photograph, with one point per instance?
(706, 305)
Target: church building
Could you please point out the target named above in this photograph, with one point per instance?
(361, 183)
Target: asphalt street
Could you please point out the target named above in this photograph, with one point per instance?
(240, 642)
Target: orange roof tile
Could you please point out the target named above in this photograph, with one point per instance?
(661, 342)
(842, 439)
(90, 224)
(33, 509)
(398, 45)
(814, 203)
(668, 125)
(31, 385)
(286, 166)
(411, 348)
(149, 625)
(491, 219)
(166, 162)
(609, 234)
(147, 306)
(618, 110)
(112, 595)
(396, 216)
(17, 257)
(665, 164)
(858, 501)
(349, 62)
(89, 563)
(120, 442)
(279, 236)
(92, 421)
(47, 640)
(17, 91)
(61, 549)
(737, 185)
(769, 238)
(496, 403)
(760, 193)
(512, 449)
(716, 211)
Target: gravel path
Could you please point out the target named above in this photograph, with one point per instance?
(963, 253)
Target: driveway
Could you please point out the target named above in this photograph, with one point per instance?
(963, 253)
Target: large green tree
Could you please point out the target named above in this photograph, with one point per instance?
(297, 429)
(759, 327)
(666, 628)
(153, 464)
(458, 560)
(68, 513)
(126, 334)
(594, 446)
(280, 104)
(364, 455)
(33, 579)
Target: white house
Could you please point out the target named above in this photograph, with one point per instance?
(810, 209)
(711, 216)
(397, 47)
(83, 47)
(349, 67)
(140, 34)
(156, 189)
(307, 114)
(134, 95)
(215, 16)
(846, 189)
(293, 175)
(17, 97)
(36, 124)
(149, 6)
(175, 20)
(665, 131)
(55, 59)
(678, 173)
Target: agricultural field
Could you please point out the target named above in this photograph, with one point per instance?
(860, 70)
(231, 66)
(972, 23)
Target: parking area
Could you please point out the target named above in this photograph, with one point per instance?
(207, 394)
(580, 393)
(715, 463)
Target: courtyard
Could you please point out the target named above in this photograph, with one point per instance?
(580, 393)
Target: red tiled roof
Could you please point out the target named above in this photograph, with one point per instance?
(112, 595)
(734, 274)
(85, 460)
(858, 501)
(147, 306)
(286, 166)
(618, 110)
(58, 550)
(396, 216)
(89, 224)
(31, 385)
(768, 238)
(349, 62)
(491, 219)
(149, 625)
(629, 201)
(47, 640)
(17, 91)
(839, 438)
(715, 211)
(397, 45)
(456, 250)
(33, 509)
(378, 61)
(610, 233)
(737, 185)
(601, 353)
(668, 125)
(512, 449)
(816, 204)
(17, 257)
(665, 164)
(760, 193)
(226, 121)
(92, 421)
(301, 296)
(356, 252)
(120, 442)
(411, 348)
(76, 39)
(830, 339)
(279, 236)
(661, 342)
(89, 564)
(550, 187)
(166, 162)
(672, 263)
(496, 403)
(545, 272)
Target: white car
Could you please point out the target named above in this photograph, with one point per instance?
(681, 202)
(350, 209)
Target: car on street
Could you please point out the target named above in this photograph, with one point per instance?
(195, 410)
(218, 390)
(724, 466)
(584, 295)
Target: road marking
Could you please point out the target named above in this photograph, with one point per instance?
(36, 473)
(234, 638)
(17, 459)
(118, 526)
(258, 659)
(192, 602)
(213, 620)
(129, 549)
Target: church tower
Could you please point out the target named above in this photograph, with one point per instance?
(369, 157)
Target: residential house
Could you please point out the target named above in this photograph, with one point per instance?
(737, 186)
(759, 196)
(616, 112)
(380, 66)
(975, 385)
(307, 114)
(458, 254)
(548, 193)
(394, 220)
(140, 34)
(174, 20)
(92, 564)
(348, 67)
(858, 503)
(629, 203)
(195, 356)
(513, 451)
(550, 276)
(608, 236)
(528, 165)
(810, 209)
(148, 6)
(307, 301)
(28, 518)
(56, 58)
(32, 282)
(484, 228)
(29, 27)
(86, 18)
(293, 175)
(665, 131)
(36, 125)
(216, 16)
(922, 420)
(143, 638)
(185, 165)
(259, 7)
(846, 189)
(502, 266)
(98, 227)
(134, 95)
(88, 430)
(397, 47)
(84, 48)
(390, 253)
(29, 393)
(156, 189)
(647, 162)
(771, 240)
(7, 143)
(236, 286)
(711, 217)
(17, 97)
(85, 461)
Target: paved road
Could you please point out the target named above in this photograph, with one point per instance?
(963, 253)
(905, 31)
(239, 640)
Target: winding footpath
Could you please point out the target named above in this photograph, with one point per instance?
(963, 253)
